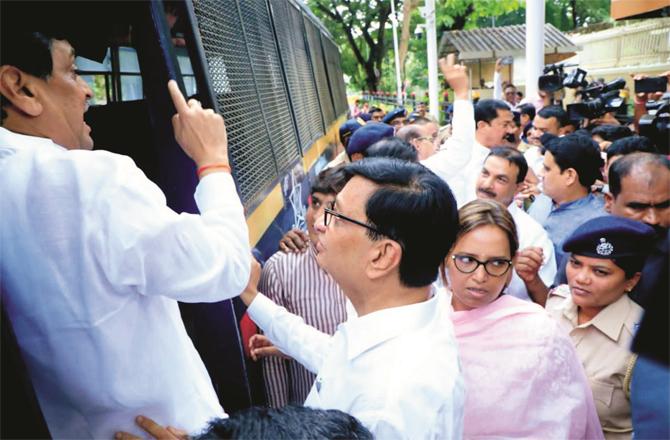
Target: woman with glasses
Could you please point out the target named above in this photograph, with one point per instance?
(522, 374)
(606, 257)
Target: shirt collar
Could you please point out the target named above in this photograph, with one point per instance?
(366, 332)
(17, 141)
(576, 204)
(609, 321)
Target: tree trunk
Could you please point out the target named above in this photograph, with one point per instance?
(408, 7)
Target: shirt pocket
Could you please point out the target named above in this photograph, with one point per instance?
(602, 393)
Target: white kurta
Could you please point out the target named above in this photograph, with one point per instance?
(531, 233)
(91, 263)
(396, 369)
(456, 151)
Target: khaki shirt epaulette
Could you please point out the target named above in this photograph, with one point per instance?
(603, 348)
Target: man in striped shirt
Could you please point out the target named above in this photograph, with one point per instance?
(296, 282)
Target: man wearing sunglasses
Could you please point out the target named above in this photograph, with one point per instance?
(394, 366)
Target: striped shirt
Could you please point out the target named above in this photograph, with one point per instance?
(297, 283)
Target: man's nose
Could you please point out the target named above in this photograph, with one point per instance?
(651, 217)
(87, 89)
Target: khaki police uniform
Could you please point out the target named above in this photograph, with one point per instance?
(603, 348)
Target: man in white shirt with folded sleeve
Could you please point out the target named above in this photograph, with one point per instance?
(92, 261)
(394, 366)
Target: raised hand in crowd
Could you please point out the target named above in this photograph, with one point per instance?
(527, 264)
(294, 241)
(640, 100)
(456, 75)
(154, 430)
(200, 132)
(261, 347)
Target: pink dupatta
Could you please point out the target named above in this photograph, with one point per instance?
(522, 374)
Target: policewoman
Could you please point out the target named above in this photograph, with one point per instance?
(606, 257)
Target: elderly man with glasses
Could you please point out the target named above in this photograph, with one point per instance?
(394, 366)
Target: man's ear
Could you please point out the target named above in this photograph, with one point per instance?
(385, 258)
(17, 87)
(609, 201)
(571, 176)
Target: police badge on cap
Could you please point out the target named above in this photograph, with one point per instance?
(610, 237)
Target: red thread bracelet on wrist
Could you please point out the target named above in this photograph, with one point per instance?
(222, 165)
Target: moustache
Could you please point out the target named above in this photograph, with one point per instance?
(509, 137)
(487, 192)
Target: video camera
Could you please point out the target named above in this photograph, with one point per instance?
(598, 99)
(554, 78)
(656, 123)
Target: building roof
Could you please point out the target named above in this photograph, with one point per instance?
(496, 42)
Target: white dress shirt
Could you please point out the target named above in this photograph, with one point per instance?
(92, 262)
(464, 182)
(396, 369)
(456, 151)
(531, 233)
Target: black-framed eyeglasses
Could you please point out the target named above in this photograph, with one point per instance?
(329, 213)
(496, 267)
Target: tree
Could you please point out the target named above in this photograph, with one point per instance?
(361, 26)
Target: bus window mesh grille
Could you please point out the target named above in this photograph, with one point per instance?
(290, 34)
(241, 104)
(270, 81)
(319, 69)
(335, 76)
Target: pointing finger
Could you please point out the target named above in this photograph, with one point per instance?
(177, 98)
(451, 59)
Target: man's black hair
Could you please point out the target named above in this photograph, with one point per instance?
(514, 157)
(28, 51)
(487, 109)
(528, 110)
(555, 111)
(630, 144)
(393, 147)
(580, 153)
(329, 181)
(287, 423)
(611, 132)
(624, 167)
(374, 109)
(414, 207)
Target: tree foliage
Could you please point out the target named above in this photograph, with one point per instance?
(362, 30)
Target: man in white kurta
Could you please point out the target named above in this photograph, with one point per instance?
(92, 261)
(502, 173)
(394, 366)
(493, 123)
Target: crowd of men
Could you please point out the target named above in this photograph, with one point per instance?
(353, 313)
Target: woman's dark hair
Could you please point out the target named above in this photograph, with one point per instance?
(413, 207)
(483, 212)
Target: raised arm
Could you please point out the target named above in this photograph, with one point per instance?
(455, 153)
(288, 332)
